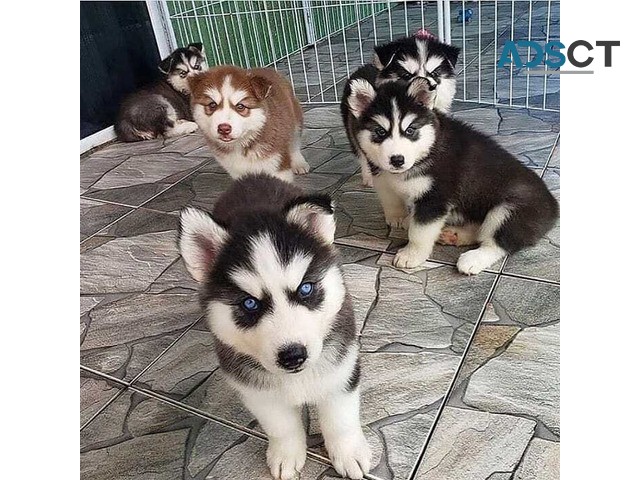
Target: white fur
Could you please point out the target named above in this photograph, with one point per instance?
(474, 261)
(444, 94)
(299, 165)
(383, 121)
(422, 238)
(318, 221)
(181, 127)
(199, 229)
(432, 63)
(362, 92)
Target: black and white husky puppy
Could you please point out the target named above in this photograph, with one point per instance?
(282, 319)
(432, 171)
(163, 108)
(421, 55)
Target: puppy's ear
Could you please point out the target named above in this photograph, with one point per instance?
(165, 65)
(196, 47)
(314, 213)
(200, 240)
(261, 86)
(383, 55)
(361, 95)
(451, 53)
(421, 89)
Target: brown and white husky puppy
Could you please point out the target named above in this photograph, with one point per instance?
(251, 119)
(162, 109)
(281, 316)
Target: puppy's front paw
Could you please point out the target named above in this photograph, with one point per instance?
(350, 456)
(286, 457)
(396, 221)
(367, 179)
(191, 127)
(300, 166)
(409, 257)
(474, 261)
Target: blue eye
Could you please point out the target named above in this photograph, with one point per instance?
(251, 304)
(305, 289)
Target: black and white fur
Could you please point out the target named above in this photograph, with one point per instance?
(163, 108)
(432, 171)
(295, 349)
(409, 57)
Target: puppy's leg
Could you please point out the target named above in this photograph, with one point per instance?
(395, 211)
(181, 127)
(287, 450)
(489, 252)
(339, 417)
(298, 164)
(365, 171)
(422, 238)
(459, 235)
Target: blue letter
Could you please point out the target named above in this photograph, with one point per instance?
(510, 54)
(537, 60)
(555, 53)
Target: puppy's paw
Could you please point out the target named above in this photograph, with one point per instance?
(396, 221)
(299, 166)
(409, 257)
(286, 457)
(351, 456)
(367, 180)
(190, 127)
(474, 261)
(448, 236)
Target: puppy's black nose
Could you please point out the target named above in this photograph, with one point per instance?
(291, 357)
(397, 160)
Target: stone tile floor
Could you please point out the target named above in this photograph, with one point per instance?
(460, 374)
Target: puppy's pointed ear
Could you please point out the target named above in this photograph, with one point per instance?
(261, 86)
(314, 213)
(196, 47)
(200, 240)
(451, 53)
(361, 95)
(383, 55)
(165, 65)
(421, 89)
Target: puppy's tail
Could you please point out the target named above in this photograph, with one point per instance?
(128, 133)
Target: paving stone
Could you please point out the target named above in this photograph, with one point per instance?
(471, 445)
(524, 379)
(361, 284)
(541, 461)
(405, 315)
(524, 302)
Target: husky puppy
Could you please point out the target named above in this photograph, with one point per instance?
(421, 55)
(162, 109)
(251, 119)
(431, 170)
(283, 323)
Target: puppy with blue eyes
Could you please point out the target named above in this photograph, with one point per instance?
(282, 319)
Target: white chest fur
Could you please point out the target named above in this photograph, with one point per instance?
(237, 163)
(309, 386)
(407, 189)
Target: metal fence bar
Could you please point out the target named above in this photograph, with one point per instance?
(544, 86)
(529, 50)
(280, 34)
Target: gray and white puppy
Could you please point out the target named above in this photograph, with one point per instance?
(282, 319)
(163, 108)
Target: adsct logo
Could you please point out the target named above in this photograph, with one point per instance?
(551, 56)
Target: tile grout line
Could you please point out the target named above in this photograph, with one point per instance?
(145, 202)
(553, 149)
(445, 399)
(103, 408)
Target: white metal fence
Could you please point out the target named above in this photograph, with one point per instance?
(318, 43)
